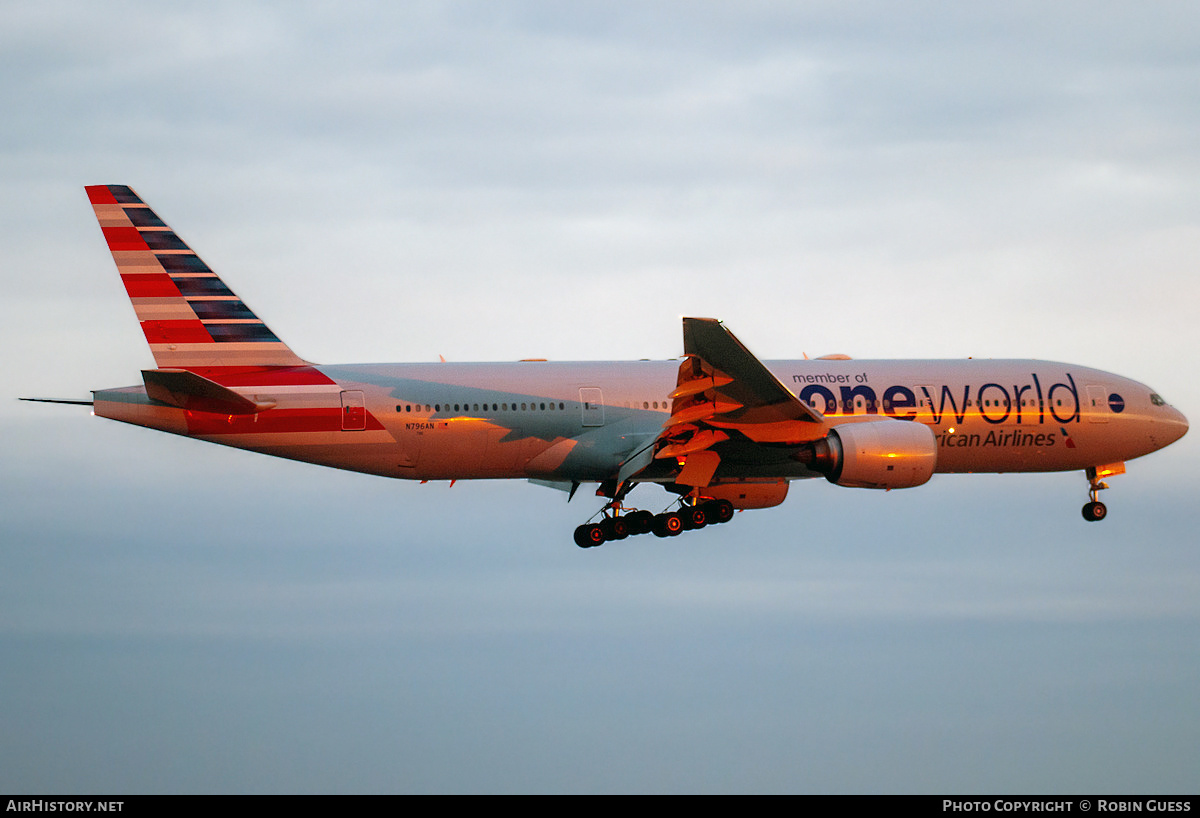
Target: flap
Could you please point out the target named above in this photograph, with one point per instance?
(743, 391)
(722, 392)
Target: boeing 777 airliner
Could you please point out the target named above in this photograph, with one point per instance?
(718, 428)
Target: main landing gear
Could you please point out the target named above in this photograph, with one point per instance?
(1094, 511)
(618, 524)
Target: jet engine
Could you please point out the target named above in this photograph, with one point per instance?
(877, 454)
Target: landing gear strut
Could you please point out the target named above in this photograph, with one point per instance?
(1094, 511)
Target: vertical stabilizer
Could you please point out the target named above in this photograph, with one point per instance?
(190, 318)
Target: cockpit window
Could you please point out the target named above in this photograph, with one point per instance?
(1157, 400)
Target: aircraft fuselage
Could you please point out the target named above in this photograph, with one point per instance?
(578, 421)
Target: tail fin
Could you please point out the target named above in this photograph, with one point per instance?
(189, 316)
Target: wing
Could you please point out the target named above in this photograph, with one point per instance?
(720, 374)
(726, 406)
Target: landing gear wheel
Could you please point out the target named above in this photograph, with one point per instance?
(639, 522)
(1094, 512)
(668, 525)
(694, 517)
(719, 511)
(614, 528)
(589, 535)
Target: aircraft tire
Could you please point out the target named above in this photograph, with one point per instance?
(668, 525)
(614, 528)
(719, 511)
(1094, 512)
(673, 524)
(694, 517)
(589, 535)
(641, 522)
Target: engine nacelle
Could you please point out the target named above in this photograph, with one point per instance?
(877, 454)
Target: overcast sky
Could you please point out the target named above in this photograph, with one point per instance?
(501, 180)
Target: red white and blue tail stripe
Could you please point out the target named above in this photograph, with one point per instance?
(190, 318)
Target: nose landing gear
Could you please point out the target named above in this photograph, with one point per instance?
(1094, 511)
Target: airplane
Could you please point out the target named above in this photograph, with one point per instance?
(717, 428)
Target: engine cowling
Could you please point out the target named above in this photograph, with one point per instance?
(878, 454)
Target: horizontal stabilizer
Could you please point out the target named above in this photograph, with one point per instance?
(59, 400)
(187, 390)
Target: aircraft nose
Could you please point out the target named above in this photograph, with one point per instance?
(1167, 425)
(1177, 424)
